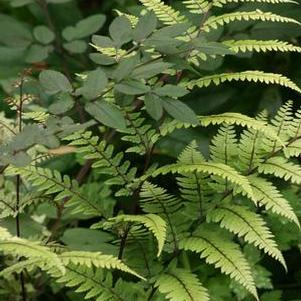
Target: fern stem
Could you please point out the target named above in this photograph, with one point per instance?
(18, 182)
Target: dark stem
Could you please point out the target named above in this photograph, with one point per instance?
(18, 185)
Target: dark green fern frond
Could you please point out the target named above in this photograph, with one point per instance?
(105, 160)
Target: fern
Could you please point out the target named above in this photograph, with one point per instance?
(164, 12)
(52, 182)
(97, 284)
(102, 154)
(97, 260)
(201, 6)
(280, 167)
(20, 247)
(258, 15)
(261, 46)
(222, 254)
(248, 225)
(181, 285)
(250, 76)
(151, 221)
(211, 168)
(264, 193)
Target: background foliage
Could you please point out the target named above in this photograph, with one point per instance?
(55, 34)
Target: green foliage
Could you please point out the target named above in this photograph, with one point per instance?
(117, 166)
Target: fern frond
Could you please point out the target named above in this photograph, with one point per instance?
(105, 161)
(210, 168)
(249, 225)
(133, 19)
(52, 182)
(138, 133)
(224, 145)
(266, 194)
(222, 254)
(216, 21)
(170, 126)
(202, 6)
(198, 6)
(152, 222)
(98, 284)
(36, 116)
(181, 285)
(281, 168)
(193, 186)
(250, 76)
(242, 120)
(164, 12)
(97, 260)
(261, 46)
(19, 247)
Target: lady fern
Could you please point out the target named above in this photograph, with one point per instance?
(147, 182)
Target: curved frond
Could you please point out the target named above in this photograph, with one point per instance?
(248, 225)
(152, 222)
(98, 284)
(20, 247)
(266, 194)
(222, 254)
(52, 182)
(281, 168)
(97, 260)
(250, 76)
(181, 285)
(216, 21)
(261, 46)
(210, 168)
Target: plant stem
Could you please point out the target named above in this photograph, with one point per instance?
(18, 185)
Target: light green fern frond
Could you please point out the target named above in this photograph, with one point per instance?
(181, 285)
(266, 194)
(261, 46)
(222, 254)
(133, 19)
(248, 225)
(164, 12)
(210, 168)
(224, 145)
(97, 260)
(52, 182)
(250, 76)
(19, 247)
(201, 6)
(258, 15)
(36, 116)
(98, 284)
(281, 168)
(152, 222)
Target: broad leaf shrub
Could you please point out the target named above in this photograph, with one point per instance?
(127, 220)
